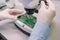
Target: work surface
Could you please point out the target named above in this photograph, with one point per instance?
(12, 33)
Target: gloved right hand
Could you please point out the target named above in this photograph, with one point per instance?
(46, 13)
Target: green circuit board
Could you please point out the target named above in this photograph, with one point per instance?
(29, 20)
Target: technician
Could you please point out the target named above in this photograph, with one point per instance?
(45, 16)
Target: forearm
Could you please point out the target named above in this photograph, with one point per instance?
(40, 31)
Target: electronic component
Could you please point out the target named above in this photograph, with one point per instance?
(29, 20)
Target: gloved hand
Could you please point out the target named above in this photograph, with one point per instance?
(46, 13)
(10, 14)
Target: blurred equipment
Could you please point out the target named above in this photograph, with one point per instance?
(2, 3)
(2, 37)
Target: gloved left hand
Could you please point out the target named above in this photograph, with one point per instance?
(10, 14)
